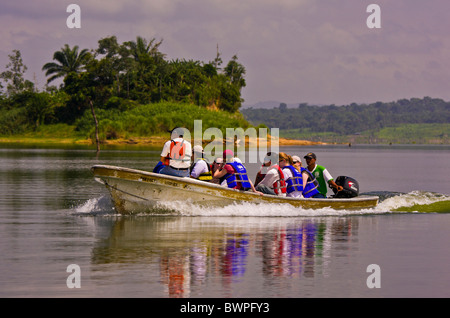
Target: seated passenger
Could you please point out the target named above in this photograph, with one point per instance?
(216, 166)
(300, 182)
(321, 174)
(176, 154)
(271, 178)
(292, 176)
(233, 174)
(200, 169)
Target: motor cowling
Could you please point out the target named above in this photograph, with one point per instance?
(350, 187)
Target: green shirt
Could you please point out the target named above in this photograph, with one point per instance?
(322, 176)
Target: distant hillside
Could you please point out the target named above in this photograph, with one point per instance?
(358, 122)
(270, 104)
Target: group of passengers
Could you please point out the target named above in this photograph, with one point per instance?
(280, 174)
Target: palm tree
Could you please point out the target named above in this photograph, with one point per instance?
(69, 60)
(140, 48)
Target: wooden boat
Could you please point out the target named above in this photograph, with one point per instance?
(135, 191)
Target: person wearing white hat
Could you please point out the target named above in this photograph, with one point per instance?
(296, 162)
(200, 169)
(216, 165)
(176, 154)
(270, 178)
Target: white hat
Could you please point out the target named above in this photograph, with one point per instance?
(296, 158)
(271, 156)
(198, 149)
(177, 132)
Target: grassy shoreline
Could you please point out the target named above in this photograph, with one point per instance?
(138, 141)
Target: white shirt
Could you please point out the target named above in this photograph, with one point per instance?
(185, 162)
(200, 167)
(270, 178)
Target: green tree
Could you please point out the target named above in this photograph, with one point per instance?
(141, 49)
(235, 72)
(83, 89)
(68, 60)
(145, 69)
(14, 75)
(41, 107)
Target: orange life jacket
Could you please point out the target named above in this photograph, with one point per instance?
(177, 151)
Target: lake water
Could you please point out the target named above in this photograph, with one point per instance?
(53, 214)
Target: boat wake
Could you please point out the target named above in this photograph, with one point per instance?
(415, 202)
(96, 206)
(390, 202)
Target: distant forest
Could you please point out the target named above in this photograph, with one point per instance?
(355, 119)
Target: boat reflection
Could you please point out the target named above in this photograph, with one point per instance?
(189, 253)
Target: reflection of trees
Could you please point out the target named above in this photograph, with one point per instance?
(189, 255)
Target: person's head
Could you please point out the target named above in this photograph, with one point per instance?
(310, 158)
(177, 132)
(296, 161)
(216, 164)
(271, 157)
(228, 155)
(197, 151)
(284, 160)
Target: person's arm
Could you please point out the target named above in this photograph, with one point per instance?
(330, 180)
(220, 173)
(197, 170)
(334, 185)
(165, 152)
(253, 188)
(305, 177)
(258, 178)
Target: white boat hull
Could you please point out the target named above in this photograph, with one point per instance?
(135, 191)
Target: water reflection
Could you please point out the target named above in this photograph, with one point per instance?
(191, 253)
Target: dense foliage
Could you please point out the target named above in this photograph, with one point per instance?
(156, 119)
(114, 78)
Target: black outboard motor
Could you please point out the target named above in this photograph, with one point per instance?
(350, 185)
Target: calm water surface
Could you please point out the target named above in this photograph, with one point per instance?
(53, 214)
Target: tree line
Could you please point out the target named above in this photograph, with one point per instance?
(353, 118)
(114, 76)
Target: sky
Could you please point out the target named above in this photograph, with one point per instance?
(294, 51)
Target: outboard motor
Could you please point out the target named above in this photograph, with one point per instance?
(350, 185)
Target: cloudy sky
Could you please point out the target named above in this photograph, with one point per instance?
(313, 51)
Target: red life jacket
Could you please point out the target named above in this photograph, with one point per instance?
(279, 186)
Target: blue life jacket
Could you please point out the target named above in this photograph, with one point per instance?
(240, 175)
(294, 183)
(311, 185)
(159, 166)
